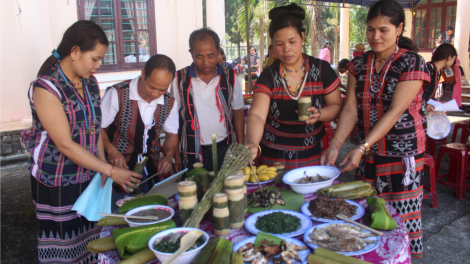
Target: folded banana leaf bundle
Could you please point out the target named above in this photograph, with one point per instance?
(152, 199)
(134, 239)
(217, 251)
(350, 190)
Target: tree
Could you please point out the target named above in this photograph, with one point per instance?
(357, 26)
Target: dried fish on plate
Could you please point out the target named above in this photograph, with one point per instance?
(341, 237)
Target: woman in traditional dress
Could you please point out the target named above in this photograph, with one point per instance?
(255, 63)
(442, 58)
(273, 120)
(385, 94)
(66, 147)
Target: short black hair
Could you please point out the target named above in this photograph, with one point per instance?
(449, 28)
(159, 61)
(202, 34)
(343, 63)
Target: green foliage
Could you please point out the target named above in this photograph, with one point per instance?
(357, 26)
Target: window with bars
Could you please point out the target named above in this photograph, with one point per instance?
(420, 28)
(430, 20)
(130, 28)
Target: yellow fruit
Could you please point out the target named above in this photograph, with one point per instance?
(247, 170)
(252, 179)
(271, 169)
(248, 177)
(260, 168)
(263, 177)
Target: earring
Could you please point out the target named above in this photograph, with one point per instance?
(398, 37)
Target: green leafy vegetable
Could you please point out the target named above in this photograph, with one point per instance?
(278, 223)
(172, 247)
(273, 240)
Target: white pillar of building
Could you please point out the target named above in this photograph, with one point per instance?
(461, 35)
(215, 18)
(408, 23)
(344, 33)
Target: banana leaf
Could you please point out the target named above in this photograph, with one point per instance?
(294, 201)
(273, 240)
(141, 201)
(133, 239)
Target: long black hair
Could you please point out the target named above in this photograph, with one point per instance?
(396, 15)
(443, 52)
(286, 16)
(84, 34)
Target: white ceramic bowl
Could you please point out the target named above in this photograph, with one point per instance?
(293, 176)
(185, 258)
(135, 210)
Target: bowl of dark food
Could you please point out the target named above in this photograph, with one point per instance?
(162, 212)
(278, 222)
(167, 242)
(324, 209)
(309, 179)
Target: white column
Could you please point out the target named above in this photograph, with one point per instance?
(408, 23)
(344, 34)
(462, 31)
(215, 17)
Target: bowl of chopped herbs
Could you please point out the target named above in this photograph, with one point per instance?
(167, 242)
(278, 222)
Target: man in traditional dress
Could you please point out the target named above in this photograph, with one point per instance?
(135, 112)
(210, 102)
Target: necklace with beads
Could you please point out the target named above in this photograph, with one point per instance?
(287, 78)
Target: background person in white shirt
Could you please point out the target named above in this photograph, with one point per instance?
(135, 113)
(210, 100)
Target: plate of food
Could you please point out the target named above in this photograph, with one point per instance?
(278, 222)
(324, 209)
(309, 179)
(265, 174)
(273, 198)
(346, 239)
(297, 251)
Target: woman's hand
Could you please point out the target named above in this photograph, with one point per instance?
(353, 158)
(125, 177)
(314, 117)
(253, 148)
(116, 158)
(430, 108)
(329, 156)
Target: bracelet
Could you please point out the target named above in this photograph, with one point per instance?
(167, 155)
(259, 148)
(338, 140)
(319, 112)
(111, 173)
(361, 149)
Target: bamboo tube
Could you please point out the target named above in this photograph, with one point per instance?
(221, 215)
(234, 186)
(214, 155)
(245, 191)
(187, 193)
(304, 103)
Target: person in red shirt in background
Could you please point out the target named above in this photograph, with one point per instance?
(358, 49)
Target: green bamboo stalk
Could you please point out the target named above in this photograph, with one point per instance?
(236, 158)
(214, 155)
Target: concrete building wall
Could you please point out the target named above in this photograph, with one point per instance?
(31, 29)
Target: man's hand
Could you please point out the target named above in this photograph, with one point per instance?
(117, 159)
(178, 166)
(164, 165)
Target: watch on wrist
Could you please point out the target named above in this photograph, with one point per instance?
(366, 147)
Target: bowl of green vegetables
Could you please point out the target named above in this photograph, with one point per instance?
(167, 242)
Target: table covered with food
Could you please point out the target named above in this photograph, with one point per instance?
(249, 214)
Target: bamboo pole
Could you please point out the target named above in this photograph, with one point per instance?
(248, 56)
